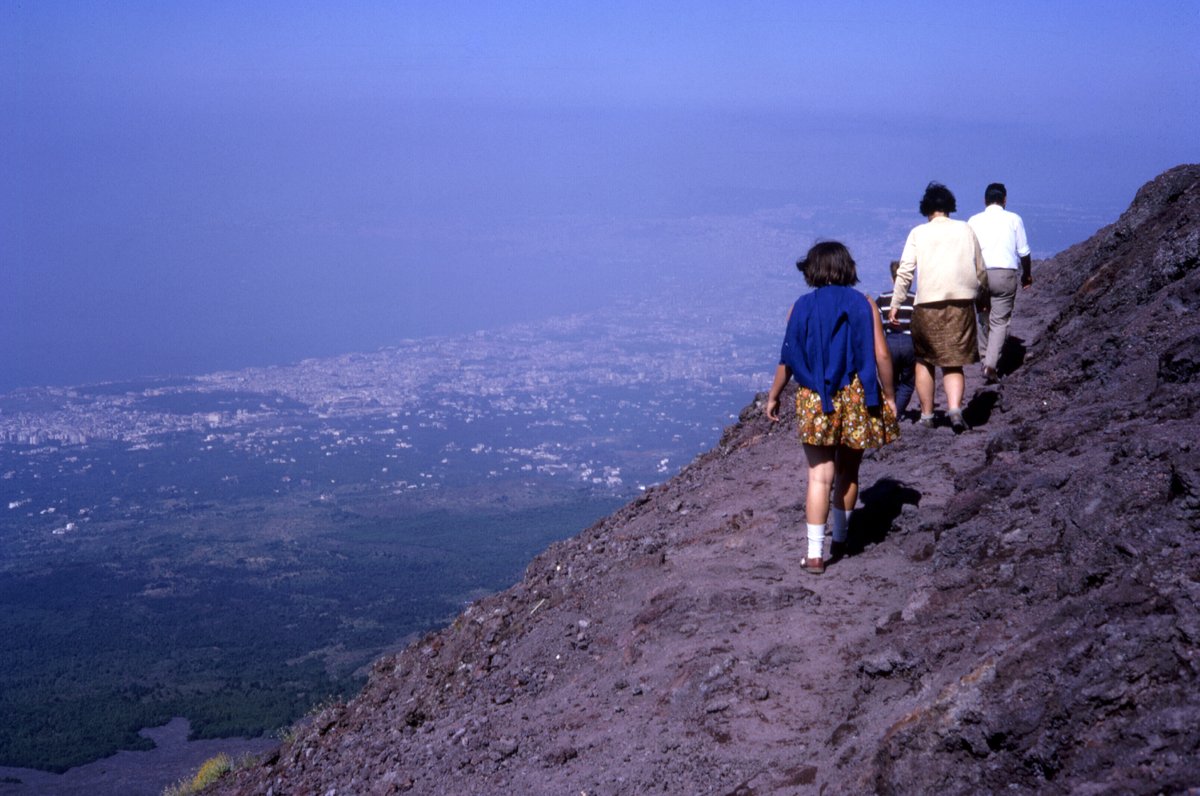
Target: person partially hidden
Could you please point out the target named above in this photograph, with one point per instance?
(899, 343)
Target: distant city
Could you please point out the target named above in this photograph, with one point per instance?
(610, 401)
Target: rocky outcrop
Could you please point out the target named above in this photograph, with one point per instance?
(1069, 553)
(1019, 612)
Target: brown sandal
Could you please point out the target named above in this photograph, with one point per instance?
(814, 566)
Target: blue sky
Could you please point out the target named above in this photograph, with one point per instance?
(190, 186)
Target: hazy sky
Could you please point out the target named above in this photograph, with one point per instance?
(192, 186)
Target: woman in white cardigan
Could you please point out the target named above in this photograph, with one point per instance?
(945, 254)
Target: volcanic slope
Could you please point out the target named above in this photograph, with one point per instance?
(1018, 614)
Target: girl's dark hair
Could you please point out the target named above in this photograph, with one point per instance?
(828, 263)
(937, 198)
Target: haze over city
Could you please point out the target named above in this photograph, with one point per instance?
(188, 188)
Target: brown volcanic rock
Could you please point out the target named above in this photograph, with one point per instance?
(1020, 614)
(1076, 668)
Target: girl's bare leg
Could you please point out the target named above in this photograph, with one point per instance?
(845, 487)
(845, 495)
(821, 470)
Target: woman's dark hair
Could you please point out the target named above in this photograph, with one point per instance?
(828, 263)
(937, 198)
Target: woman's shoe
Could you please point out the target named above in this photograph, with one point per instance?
(957, 422)
(814, 566)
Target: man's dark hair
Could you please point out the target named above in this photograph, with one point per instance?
(828, 263)
(995, 194)
(937, 199)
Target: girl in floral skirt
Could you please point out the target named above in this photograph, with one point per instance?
(836, 350)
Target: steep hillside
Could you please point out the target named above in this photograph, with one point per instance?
(1020, 611)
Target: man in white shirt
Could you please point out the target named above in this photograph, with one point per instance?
(1002, 239)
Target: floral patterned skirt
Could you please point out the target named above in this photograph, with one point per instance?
(850, 423)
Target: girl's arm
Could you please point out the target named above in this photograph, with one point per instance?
(782, 374)
(883, 358)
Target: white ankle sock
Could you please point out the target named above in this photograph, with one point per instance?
(816, 540)
(839, 523)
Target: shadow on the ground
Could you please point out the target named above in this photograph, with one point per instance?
(1012, 355)
(881, 505)
(978, 410)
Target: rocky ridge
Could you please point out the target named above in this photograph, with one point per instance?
(1018, 614)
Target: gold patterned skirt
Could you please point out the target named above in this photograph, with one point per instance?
(850, 423)
(943, 333)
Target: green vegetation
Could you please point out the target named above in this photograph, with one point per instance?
(239, 618)
(212, 770)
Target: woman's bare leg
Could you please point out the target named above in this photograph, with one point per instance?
(955, 385)
(924, 384)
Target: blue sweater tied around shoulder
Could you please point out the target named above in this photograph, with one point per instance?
(831, 338)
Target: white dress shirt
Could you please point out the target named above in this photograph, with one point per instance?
(1001, 237)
